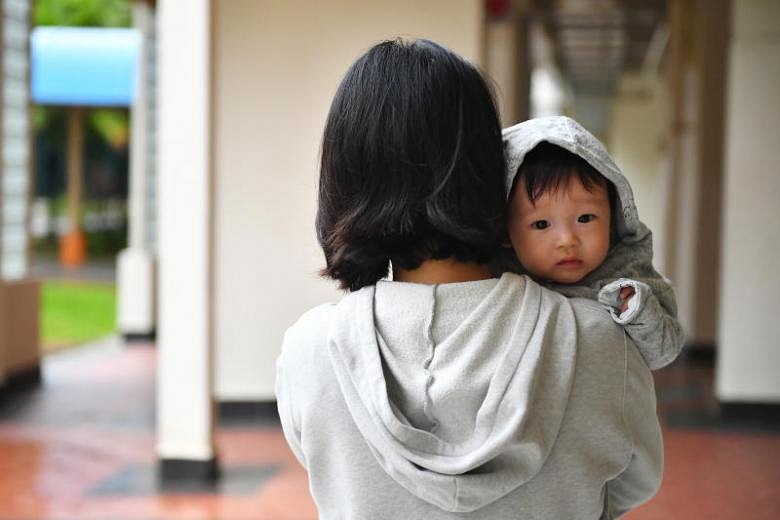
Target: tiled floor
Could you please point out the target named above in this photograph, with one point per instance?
(82, 446)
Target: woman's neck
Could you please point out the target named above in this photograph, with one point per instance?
(443, 271)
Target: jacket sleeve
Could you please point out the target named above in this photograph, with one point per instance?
(652, 326)
(288, 416)
(641, 477)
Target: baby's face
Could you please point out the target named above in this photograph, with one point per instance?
(565, 235)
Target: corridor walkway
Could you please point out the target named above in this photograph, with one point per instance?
(82, 447)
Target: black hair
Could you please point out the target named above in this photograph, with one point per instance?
(547, 167)
(412, 165)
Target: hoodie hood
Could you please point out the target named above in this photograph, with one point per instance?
(495, 384)
(631, 254)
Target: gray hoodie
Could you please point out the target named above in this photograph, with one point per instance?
(651, 318)
(493, 399)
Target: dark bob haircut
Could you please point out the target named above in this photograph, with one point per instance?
(412, 165)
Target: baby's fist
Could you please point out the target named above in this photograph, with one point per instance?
(625, 296)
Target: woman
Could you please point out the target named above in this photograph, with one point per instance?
(447, 392)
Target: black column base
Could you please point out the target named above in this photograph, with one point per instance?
(134, 337)
(698, 352)
(22, 380)
(177, 472)
(757, 416)
(248, 413)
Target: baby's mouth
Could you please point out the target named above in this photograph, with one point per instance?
(570, 262)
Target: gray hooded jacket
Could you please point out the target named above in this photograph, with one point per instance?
(493, 399)
(651, 318)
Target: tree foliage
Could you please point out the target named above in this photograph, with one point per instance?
(83, 13)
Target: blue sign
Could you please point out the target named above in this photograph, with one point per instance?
(88, 66)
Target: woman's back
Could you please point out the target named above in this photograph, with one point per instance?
(490, 399)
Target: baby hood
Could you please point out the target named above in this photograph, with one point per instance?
(631, 254)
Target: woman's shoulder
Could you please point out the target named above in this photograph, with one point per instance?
(312, 324)
(305, 341)
(317, 321)
(313, 318)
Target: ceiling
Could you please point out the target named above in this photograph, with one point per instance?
(596, 41)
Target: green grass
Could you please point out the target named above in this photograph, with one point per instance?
(76, 312)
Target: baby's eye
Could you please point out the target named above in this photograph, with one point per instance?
(585, 218)
(540, 224)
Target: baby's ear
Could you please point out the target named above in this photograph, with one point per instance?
(506, 242)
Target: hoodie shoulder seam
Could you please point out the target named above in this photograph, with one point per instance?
(623, 403)
(457, 493)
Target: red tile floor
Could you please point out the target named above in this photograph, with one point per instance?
(82, 447)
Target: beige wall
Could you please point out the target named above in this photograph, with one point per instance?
(277, 66)
(636, 132)
(749, 358)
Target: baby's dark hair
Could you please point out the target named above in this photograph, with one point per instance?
(547, 167)
(412, 165)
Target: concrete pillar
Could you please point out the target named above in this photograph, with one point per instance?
(3, 326)
(507, 59)
(712, 57)
(135, 265)
(681, 88)
(185, 418)
(19, 343)
(749, 358)
(693, 181)
(16, 143)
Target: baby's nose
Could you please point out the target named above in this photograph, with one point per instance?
(567, 238)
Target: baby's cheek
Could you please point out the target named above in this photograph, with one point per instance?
(533, 262)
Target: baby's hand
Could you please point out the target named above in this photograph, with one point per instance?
(625, 296)
(624, 299)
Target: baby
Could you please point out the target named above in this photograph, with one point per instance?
(574, 228)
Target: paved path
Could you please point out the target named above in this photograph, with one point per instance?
(94, 270)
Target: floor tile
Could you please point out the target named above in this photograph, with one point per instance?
(82, 447)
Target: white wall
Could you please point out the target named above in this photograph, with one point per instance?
(749, 358)
(277, 66)
(636, 132)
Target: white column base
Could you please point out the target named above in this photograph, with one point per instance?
(136, 306)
